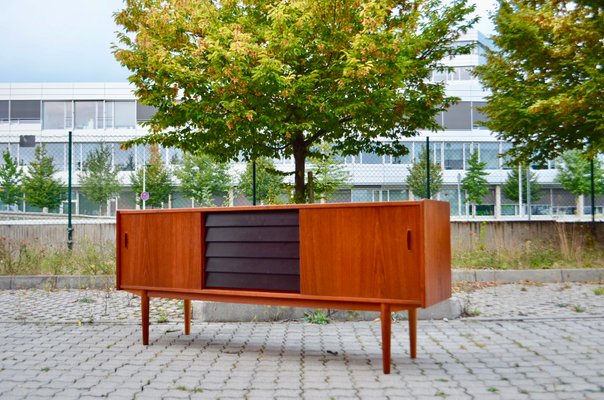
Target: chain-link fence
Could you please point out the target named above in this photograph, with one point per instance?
(106, 177)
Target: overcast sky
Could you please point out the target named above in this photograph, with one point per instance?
(70, 40)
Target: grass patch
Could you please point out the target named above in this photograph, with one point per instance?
(86, 258)
(599, 291)
(316, 317)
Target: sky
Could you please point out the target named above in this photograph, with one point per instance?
(70, 40)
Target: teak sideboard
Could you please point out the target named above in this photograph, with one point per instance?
(359, 256)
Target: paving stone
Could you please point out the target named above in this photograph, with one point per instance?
(528, 342)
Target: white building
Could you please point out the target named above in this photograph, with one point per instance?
(109, 113)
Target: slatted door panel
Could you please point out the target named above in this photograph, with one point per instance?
(257, 250)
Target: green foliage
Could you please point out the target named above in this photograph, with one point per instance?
(474, 183)
(574, 173)
(510, 186)
(316, 317)
(329, 174)
(201, 178)
(269, 182)
(417, 178)
(545, 77)
(99, 181)
(158, 182)
(41, 189)
(599, 291)
(271, 78)
(86, 258)
(10, 180)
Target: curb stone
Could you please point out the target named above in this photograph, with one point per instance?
(15, 282)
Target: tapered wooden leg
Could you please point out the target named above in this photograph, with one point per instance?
(187, 306)
(412, 331)
(145, 317)
(386, 324)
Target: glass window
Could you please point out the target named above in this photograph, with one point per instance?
(88, 114)
(406, 159)
(418, 149)
(505, 161)
(477, 116)
(361, 195)
(398, 195)
(438, 118)
(123, 159)
(57, 152)
(26, 155)
(489, 153)
(144, 113)
(87, 149)
(371, 158)
(124, 114)
(176, 156)
(56, 114)
(3, 110)
(438, 76)
(458, 116)
(465, 73)
(453, 155)
(25, 110)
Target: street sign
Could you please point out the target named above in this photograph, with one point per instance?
(145, 196)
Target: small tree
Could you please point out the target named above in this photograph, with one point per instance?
(269, 182)
(158, 182)
(574, 174)
(510, 187)
(41, 189)
(202, 178)
(10, 179)
(474, 183)
(418, 177)
(329, 174)
(99, 180)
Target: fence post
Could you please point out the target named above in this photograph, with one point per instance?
(69, 225)
(428, 167)
(254, 182)
(311, 188)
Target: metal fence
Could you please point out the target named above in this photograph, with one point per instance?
(365, 177)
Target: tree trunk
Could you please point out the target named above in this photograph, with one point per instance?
(300, 169)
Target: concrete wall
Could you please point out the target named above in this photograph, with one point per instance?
(54, 234)
(464, 235)
(494, 235)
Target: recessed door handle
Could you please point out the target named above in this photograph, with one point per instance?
(409, 239)
(126, 240)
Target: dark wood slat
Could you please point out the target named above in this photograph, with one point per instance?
(254, 265)
(253, 234)
(253, 281)
(251, 218)
(253, 250)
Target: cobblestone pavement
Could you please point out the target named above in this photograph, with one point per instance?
(50, 348)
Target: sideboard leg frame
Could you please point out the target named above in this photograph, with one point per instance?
(187, 307)
(386, 318)
(145, 316)
(413, 332)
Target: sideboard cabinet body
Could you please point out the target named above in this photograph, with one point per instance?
(363, 256)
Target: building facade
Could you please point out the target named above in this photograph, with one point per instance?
(32, 114)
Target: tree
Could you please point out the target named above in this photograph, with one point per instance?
(474, 183)
(574, 174)
(418, 177)
(269, 78)
(202, 178)
(10, 180)
(329, 175)
(511, 190)
(158, 182)
(269, 182)
(99, 180)
(546, 77)
(40, 188)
